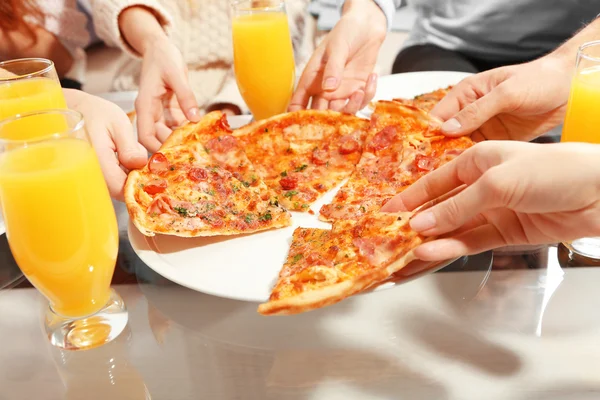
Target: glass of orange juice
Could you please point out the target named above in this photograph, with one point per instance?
(29, 84)
(263, 55)
(61, 225)
(582, 123)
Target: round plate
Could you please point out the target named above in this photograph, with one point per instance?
(246, 267)
(411, 84)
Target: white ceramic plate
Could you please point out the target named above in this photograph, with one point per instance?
(411, 84)
(246, 267)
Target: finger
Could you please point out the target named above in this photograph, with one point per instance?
(370, 89)
(355, 102)
(148, 110)
(338, 105)
(162, 131)
(301, 95)
(478, 240)
(476, 113)
(319, 103)
(454, 212)
(428, 188)
(185, 96)
(336, 56)
(130, 153)
(105, 151)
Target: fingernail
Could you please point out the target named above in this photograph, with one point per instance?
(422, 221)
(329, 83)
(452, 125)
(194, 113)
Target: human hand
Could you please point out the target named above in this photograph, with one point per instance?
(165, 99)
(339, 75)
(518, 102)
(514, 194)
(111, 134)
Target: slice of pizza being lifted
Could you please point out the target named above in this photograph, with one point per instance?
(324, 267)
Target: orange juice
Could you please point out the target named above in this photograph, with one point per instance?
(28, 95)
(60, 222)
(264, 62)
(582, 122)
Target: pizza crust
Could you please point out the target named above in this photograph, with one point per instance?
(329, 295)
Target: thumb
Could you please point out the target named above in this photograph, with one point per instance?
(475, 114)
(133, 157)
(336, 56)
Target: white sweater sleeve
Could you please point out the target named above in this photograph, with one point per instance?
(387, 6)
(105, 14)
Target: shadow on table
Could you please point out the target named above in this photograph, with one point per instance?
(236, 353)
(568, 391)
(450, 339)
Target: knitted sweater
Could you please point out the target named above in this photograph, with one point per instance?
(201, 30)
(68, 24)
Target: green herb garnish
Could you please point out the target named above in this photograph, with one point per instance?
(283, 174)
(301, 168)
(266, 216)
(290, 193)
(182, 211)
(248, 218)
(297, 258)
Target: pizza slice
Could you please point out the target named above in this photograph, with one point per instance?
(221, 147)
(183, 192)
(324, 267)
(426, 101)
(304, 154)
(403, 144)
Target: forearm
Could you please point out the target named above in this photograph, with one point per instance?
(566, 54)
(385, 7)
(140, 27)
(125, 23)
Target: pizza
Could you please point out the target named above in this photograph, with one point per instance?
(403, 144)
(200, 183)
(426, 101)
(324, 267)
(304, 154)
(208, 179)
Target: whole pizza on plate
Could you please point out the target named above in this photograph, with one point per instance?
(209, 180)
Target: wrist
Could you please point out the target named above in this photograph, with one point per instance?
(364, 12)
(140, 28)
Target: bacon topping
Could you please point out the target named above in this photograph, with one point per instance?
(198, 174)
(221, 144)
(383, 138)
(319, 157)
(348, 145)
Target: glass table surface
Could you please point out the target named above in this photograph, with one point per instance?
(521, 325)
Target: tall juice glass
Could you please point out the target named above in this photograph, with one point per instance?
(263, 55)
(582, 123)
(30, 84)
(61, 226)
